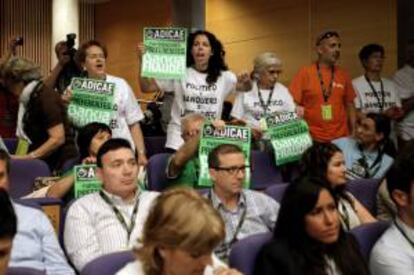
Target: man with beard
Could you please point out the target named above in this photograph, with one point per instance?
(323, 92)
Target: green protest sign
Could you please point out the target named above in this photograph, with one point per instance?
(85, 180)
(92, 101)
(211, 138)
(289, 136)
(165, 53)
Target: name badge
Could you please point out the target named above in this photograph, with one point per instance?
(326, 112)
(263, 124)
(22, 147)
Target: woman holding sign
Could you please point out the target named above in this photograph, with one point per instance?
(204, 87)
(326, 162)
(267, 96)
(92, 56)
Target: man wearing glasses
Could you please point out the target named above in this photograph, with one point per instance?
(323, 92)
(245, 212)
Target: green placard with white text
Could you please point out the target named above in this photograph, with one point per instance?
(165, 53)
(85, 180)
(289, 136)
(211, 138)
(92, 101)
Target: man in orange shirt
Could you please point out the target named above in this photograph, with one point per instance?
(324, 93)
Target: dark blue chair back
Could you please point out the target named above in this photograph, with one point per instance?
(276, 191)
(22, 175)
(244, 252)
(264, 171)
(157, 164)
(24, 271)
(108, 264)
(365, 190)
(368, 234)
(154, 145)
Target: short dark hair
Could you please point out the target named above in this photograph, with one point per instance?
(86, 135)
(222, 149)
(382, 124)
(4, 156)
(400, 176)
(369, 49)
(81, 53)
(112, 145)
(8, 220)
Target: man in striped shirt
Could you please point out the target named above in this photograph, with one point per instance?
(110, 220)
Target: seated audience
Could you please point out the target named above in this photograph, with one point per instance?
(375, 94)
(179, 236)
(110, 220)
(266, 98)
(308, 238)
(42, 120)
(366, 154)
(326, 162)
(8, 229)
(35, 244)
(90, 139)
(245, 212)
(393, 254)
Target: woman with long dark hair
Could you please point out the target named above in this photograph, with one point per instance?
(204, 87)
(308, 238)
(326, 162)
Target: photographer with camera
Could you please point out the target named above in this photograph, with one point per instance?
(66, 68)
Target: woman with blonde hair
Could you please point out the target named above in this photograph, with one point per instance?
(179, 236)
(267, 96)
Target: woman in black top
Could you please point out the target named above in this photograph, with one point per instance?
(308, 238)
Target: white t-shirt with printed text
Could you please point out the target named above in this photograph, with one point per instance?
(366, 100)
(194, 95)
(247, 106)
(404, 79)
(128, 111)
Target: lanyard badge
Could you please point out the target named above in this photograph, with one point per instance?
(326, 109)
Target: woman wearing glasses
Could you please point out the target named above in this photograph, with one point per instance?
(308, 238)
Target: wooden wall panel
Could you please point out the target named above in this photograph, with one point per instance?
(119, 25)
(30, 19)
(86, 22)
(289, 28)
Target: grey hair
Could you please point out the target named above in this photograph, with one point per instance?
(18, 69)
(264, 60)
(191, 117)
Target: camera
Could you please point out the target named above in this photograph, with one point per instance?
(71, 69)
(70, 43)
(19, 41)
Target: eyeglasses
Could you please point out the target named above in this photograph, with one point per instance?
(233, 170)
(326, 35)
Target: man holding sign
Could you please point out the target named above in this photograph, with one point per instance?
(244, 212)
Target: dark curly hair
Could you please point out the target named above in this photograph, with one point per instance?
(216, 63)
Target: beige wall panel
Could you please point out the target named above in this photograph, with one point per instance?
(289, 28)
(119, 25)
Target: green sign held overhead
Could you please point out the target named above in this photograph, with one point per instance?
(85, 180)
(92, 101)
(165, 53)
(211, 138)
(289, 136)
